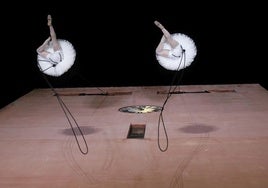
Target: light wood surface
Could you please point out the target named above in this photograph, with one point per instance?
(217, 138)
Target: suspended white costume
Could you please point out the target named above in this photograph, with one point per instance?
(58, 62)
(181, 56)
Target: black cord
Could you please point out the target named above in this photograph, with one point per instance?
(161, 118)
(69, 115)
(46, 68)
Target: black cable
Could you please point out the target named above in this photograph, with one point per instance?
(161, 118)
(47, 67)
(67, 114)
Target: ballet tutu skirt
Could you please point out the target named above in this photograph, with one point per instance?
(185, 60)
(49, 68)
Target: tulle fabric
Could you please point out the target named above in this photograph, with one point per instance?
(69, 55)
(182, 62)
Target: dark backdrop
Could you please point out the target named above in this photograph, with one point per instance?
(115, 44)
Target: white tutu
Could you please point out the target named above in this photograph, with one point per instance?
(69, 54)
(179, 63)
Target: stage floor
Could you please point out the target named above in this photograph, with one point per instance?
(217, 136)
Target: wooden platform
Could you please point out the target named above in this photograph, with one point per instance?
(217, 136)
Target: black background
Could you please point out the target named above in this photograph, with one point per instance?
(115, 43)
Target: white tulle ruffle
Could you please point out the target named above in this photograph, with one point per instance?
(69, 55)
(179, 63)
